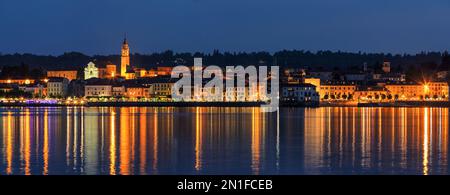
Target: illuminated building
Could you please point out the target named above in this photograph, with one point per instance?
(90, 71)
(17, 81)
(36, 90)
(130, 74)
(337, 91)
(158, 87)
(436, 90)
(68, 74)
(207, 95)
(163, 70)
(313, 81)
(303, 92)
(125, 58)
(405, 91)
(5, 88)
(241, 94)
(141, 72)
(111, 70)
(413, 91)
(230, 94)
(57, 87)
(235, 94)
(161, 89)
(293, 75)
(107, 72)
(374, 93)
(392, 77)
(136, 91)
(98, 88)
(118, 90)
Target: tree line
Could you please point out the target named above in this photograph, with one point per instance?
(420, 63)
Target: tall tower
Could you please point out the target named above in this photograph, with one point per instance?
(125, 58)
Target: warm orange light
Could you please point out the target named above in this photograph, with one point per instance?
(426, 88)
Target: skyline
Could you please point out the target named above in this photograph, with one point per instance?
(98, 27)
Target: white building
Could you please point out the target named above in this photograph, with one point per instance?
(303, 92)
(98, 90)
(57, 87)
(91, 71)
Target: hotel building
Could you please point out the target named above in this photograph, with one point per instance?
(303, 92)
(57, 86)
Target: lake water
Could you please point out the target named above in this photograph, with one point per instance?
(140, 140)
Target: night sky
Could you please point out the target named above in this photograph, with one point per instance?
(98, 26)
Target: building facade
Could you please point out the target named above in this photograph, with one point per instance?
(118, 91)
(36, 90)
(303, 92)
(160, 89)
(137, 91)
(374, 93)
(76, 88)
(337, 91)
(107, 72)
(98, 90)
(68, 74)
(163, 70)
(90, 71)
(57, 87)
(313, 81)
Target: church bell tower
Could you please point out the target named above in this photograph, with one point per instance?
(125, 58)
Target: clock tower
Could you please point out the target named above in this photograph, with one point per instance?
(125, 58)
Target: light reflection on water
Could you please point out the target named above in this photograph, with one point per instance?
(146, 140)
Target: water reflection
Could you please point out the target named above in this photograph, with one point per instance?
(140, 140)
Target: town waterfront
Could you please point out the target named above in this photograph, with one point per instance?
(225, 140)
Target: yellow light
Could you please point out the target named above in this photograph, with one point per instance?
(9, 81)
(426, 88)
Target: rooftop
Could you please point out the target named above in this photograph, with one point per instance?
(56, 79)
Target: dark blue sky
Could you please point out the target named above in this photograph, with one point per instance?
(98, 26)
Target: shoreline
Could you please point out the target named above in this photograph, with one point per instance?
(236, 104)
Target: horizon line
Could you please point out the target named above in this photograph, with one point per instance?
(233, 52)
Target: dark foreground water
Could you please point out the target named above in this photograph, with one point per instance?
(77, 140)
